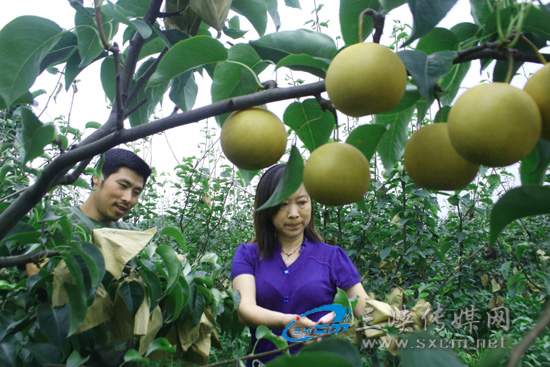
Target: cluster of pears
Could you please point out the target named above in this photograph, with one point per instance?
(362, 79)
(492, 124)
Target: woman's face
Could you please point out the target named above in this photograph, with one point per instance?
(293, 216)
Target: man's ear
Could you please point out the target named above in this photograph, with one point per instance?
(96, 181)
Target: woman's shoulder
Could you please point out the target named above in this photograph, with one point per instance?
(248, 249)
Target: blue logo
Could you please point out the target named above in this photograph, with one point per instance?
(335, 327)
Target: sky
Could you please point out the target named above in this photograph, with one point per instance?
(167, 149)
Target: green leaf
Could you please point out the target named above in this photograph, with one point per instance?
(176, 299)
(234, 28)
(423, 105)
(337, 346)
(8, 354)
(341, 298)
(76, 360)
(416, 354)
(438, 39)
(388, 5)
(534, 166)
(426, 15)
(427, 69)
(254, 10)
(232, 80)
(153, 46)
(312, 125)
(518, 203)
(175, 234)
(500, 70)
(537, 21)
(183, 91)
(349, 19)
(34, 135)
(186, 55)
(317, 359)
(246, 175)
(151, 95)
(89, 43)
(452, 81)
(152, 285)
(442, 114)
(95, 264)
(108, 77)
(481, 11)
(263, 332)
(293, 3)
(276, 46)
(72, 69)
(54, 323)
(62, 50)
(161, 344)
(366, 138)
(172, 265)
(45, 354)
(409, 99)
(76, 291)
(393, 141)
(133, 356)
(24, 43)
(132, 294)
(464, 31)
(303, 62)
(274, 13)
(136, 8)
(92, 125)
(291, 181)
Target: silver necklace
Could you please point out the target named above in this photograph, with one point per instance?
(290, 253)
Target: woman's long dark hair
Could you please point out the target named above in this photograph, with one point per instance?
(265, 233)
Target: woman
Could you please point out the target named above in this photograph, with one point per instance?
(288, 270)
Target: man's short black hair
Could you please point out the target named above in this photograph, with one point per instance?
(115, 158)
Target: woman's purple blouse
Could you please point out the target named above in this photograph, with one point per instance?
(309, 282)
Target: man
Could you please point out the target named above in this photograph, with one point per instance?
(114, 192)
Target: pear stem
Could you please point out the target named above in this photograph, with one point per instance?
(535, 49)
(510, 69)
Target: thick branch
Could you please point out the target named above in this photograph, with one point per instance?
(520, 349)
(26, 258)
(104, 139)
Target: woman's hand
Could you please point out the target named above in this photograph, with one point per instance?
(302, 322)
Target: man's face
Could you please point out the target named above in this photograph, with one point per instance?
(117, 194)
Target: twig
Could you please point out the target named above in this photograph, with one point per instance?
(9, 261)
(531, 336)
(136, 44)
(118, 94)
(101, 31)
(135, 108)
(145, 77)
(378, 20)
(251, 356)
(57, 85)
(73, 176)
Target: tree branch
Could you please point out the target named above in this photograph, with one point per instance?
(106, 138)
(73, 176)
(378, 20)
(136, 43)
(492, 51)
(16, 260)
(520, 349)
(145, 78)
